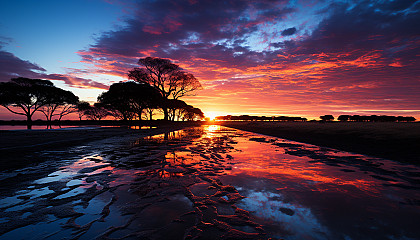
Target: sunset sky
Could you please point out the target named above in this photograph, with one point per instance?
(295, 58)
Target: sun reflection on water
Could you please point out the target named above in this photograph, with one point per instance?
(212, 128)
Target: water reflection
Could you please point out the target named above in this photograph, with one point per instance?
(218, 183)
(142, 127)
(34, 127)
(300, 191)
(66, 202)
(304, 189)
(296, 221)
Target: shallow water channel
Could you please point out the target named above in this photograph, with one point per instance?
(213, 182)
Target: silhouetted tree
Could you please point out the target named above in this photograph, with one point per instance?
(165, 76)
(259, 118)
(60, 101)
(24, 96)
(82, 107)
(150, 112)
(125, 100)
(327, 118)
(118, 101)
(182, 111)
(376, 118)
(96, 112)
(176, 108)
(66, 109)
(193, 113)
(223, 118)
(406, 119)
(146, 99)
(343, 118)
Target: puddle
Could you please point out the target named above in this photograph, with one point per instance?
(217, 183)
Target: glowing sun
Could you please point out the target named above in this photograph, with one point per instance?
(212, 115)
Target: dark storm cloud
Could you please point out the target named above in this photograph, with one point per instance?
(289, 31)
(364, 27)
(360, 48)
(362, 38)
(214, 30)
(185, 29)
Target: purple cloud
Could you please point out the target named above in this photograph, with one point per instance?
(288, 32)
(357, 53)
(12, 66)
(213, 30)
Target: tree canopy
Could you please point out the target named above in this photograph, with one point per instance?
(166, 77)
(125, 100)
(375, 118)
(193, 113)
(82, 107)
(25, 96)
(327, 117)
(95, 112)
(61, 101)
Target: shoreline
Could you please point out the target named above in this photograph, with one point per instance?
(394, 141)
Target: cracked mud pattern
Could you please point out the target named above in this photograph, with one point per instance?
(211, 182)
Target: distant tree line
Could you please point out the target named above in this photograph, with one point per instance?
(155, 87)
(354, 118)
(260, 118)
(375, 118)
(327, 118)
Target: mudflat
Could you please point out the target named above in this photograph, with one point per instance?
(394, 141)
(16, 146)
(208, 182)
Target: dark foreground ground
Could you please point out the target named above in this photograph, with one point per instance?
(394, 141)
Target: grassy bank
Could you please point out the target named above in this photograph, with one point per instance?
(395, 141)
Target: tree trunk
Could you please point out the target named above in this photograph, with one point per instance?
(151, 115)
(49, 121)
(139, 114)
(29, 121)
(165, 114)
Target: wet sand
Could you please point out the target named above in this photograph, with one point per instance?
(17, 146)
(394, 141)
(114, 188)
(209, 182)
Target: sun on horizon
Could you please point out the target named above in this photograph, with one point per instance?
(212, 115)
